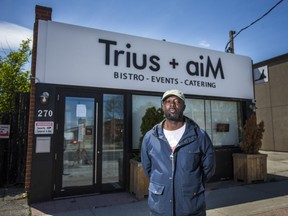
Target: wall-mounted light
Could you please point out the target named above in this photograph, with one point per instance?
(44, 98)
(252, 106)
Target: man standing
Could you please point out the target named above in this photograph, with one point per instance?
(178, 156)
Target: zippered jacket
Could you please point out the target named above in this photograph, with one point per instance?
(177, 179)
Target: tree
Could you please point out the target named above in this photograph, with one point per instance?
(13, 77)
(151, 117)
(252, 135)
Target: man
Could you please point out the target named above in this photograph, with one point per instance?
(178, 157)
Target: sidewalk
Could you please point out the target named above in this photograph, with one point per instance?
(265, 199)
(255, 199)
(225, 198)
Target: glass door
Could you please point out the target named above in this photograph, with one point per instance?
(90, 144)
(79, 139)
(77, 148)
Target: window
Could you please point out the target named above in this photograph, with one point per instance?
(224, 123)
(113, 140)
(139, 106)
(195, 110)
(220, 119)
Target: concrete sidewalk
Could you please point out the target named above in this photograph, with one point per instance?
(256, 199)
(253, 199)
(225, 198)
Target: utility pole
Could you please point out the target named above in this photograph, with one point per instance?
(231, 41)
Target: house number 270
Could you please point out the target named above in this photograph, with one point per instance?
(45, 113)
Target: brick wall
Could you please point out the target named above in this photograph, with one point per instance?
(41, 13)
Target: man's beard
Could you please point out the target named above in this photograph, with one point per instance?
(177, 117)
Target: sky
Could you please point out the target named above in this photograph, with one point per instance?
(198, 23)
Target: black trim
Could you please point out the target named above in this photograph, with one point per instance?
(273, 61)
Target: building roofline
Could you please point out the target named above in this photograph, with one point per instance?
(272, 61)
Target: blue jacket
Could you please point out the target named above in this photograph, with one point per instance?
(177, 180)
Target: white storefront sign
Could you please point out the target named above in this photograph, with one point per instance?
(44, 127)
(81, 56)
(4, 131)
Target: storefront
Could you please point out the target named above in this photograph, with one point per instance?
(92, 89)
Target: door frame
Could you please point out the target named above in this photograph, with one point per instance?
(58, 191)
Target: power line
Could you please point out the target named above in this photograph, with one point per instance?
(226, 50)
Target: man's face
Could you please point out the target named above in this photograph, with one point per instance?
(173, 108)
